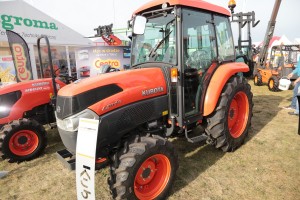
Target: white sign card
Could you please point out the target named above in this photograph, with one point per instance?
(85, 158)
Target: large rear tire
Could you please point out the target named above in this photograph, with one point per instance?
(146, 171)
(22, 139)
(227, 127)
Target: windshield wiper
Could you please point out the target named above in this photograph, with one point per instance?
(153, 50)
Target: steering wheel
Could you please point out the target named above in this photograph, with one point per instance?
(67, 79)
(196, 57)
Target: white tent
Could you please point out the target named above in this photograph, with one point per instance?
(282, 40)
(31, 23)
(297, 41)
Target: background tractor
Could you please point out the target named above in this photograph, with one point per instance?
(24, 108)
(183, 76)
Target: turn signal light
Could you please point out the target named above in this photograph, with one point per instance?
(174, 75)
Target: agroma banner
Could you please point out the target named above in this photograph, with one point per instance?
(20, 54)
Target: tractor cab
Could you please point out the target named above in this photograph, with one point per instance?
(190, 41)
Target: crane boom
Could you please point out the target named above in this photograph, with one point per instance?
(269, 34)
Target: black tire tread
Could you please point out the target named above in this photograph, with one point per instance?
(119, 182)
(8, 130)
(276, 84)
(217, 128)
(259, 79)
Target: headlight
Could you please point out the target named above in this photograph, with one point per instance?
(4, 111)
(71, 123)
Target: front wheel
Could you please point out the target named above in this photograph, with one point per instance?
(146, 171)
(227, 127)
(22, 140)
(257, 79)
(273, 84)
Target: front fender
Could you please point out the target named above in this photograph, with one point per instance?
(219, 79)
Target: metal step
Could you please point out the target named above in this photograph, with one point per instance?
(66, 158)
(195, 139)
(199, 138)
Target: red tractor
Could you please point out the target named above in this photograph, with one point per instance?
(24, 108)
(183, 75)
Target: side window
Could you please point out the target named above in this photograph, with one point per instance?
(224, 37)
(198, 40)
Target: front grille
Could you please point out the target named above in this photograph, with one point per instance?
(135, 115)
(68, 106)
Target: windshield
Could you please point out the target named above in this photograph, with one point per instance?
(157, 44)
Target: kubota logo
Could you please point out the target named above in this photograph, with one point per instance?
(23, 73)
(9, 22)
(113, 63)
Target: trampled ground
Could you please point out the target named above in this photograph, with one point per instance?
(267, 166)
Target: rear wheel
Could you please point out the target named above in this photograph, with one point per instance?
(227, 127)
(146, 171)
(22, 140)
(257, 80)
(273, 84)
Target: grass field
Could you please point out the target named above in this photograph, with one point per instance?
(267, 166)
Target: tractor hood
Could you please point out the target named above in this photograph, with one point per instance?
(17, 98)
(107, 92)
(32, 86)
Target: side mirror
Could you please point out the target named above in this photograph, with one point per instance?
(139, 24)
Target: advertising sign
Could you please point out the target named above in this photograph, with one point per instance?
(89, 61)
(21, 58)
(85, 158)
(7, 70)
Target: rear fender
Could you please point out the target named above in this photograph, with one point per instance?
(217, 83)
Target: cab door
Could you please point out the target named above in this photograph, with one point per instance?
(199, 50)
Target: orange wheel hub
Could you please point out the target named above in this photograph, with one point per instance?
(238, 114)
(152, 177)
(271, 83)
(23, 142)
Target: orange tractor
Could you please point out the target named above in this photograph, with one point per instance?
(25, 107)
(183, 75)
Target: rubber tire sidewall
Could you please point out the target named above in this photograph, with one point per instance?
(24, 124)
(259, 79)
(275, 85)
(166, 149)
(217, 123)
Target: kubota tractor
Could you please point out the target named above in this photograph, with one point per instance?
(183, 75)
(24, 108)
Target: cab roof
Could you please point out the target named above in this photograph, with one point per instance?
(189, 3)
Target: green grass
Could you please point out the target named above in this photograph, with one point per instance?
(265, 167)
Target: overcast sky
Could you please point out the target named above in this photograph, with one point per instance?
(85, 15)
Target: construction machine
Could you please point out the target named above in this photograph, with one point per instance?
(107, 35)
(263, 74)
(245, 51)
(283, 59)
(183, 76)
